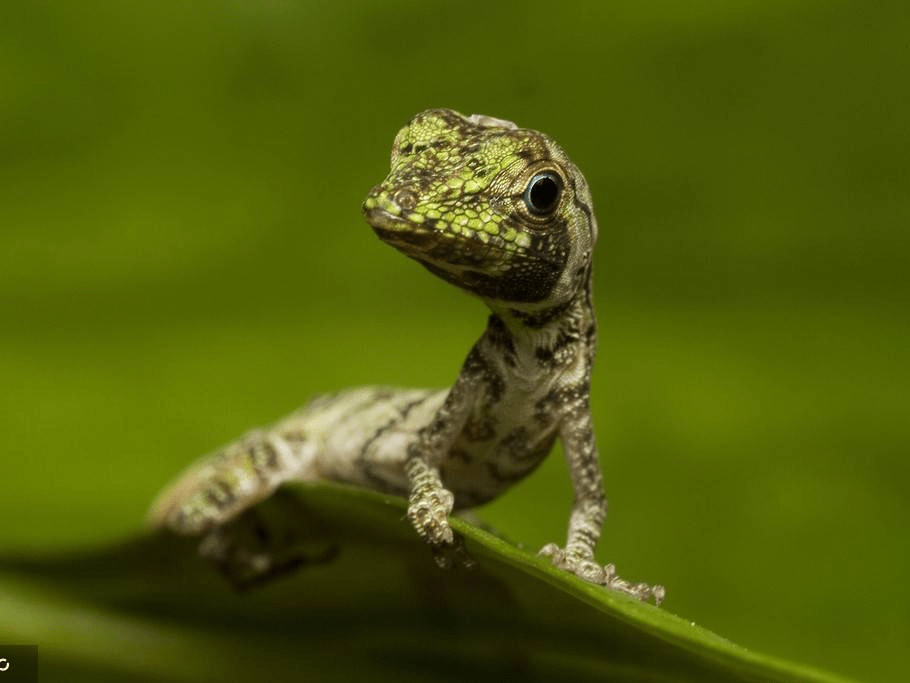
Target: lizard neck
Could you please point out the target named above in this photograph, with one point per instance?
(544, 335)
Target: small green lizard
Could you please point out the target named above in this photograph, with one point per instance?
(502, 213)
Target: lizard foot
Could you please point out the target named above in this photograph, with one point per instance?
(428, 511)
(592, 572)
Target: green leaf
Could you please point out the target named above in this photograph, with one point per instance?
(150, 609)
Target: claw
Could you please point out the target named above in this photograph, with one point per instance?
(552, 551)
(590, 572)
(658, 593)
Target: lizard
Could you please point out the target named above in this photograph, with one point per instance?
(502, 213)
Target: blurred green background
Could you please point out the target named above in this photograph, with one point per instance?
(182, 257)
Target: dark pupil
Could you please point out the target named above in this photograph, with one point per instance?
(543, 193)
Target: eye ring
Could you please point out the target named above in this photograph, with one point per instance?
(543, 192)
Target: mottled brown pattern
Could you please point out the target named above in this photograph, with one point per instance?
(502, 213)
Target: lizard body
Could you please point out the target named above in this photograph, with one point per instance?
(502, 213)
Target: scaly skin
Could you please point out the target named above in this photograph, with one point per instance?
(502, 213)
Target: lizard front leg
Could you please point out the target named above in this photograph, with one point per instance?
(429, 502)
(589, 509)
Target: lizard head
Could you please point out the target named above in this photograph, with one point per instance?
(498, 210)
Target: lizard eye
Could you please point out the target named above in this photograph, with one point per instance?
(542, 193)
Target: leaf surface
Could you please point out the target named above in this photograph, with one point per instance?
(380, 609)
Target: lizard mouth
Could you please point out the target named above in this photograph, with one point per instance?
(378, 217)
(480, 267)
(410, 237)
(447, 246)
(423, 239)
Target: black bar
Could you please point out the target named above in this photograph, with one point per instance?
(18, 664)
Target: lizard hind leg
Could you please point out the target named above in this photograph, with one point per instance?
(233, 479)
(269, 541)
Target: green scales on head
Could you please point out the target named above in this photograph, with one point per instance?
(494, 209)
(502, 213)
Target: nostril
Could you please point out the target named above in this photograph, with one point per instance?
(406, 199)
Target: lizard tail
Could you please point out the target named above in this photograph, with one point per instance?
(237, 476)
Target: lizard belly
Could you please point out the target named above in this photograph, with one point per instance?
(362, 435)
